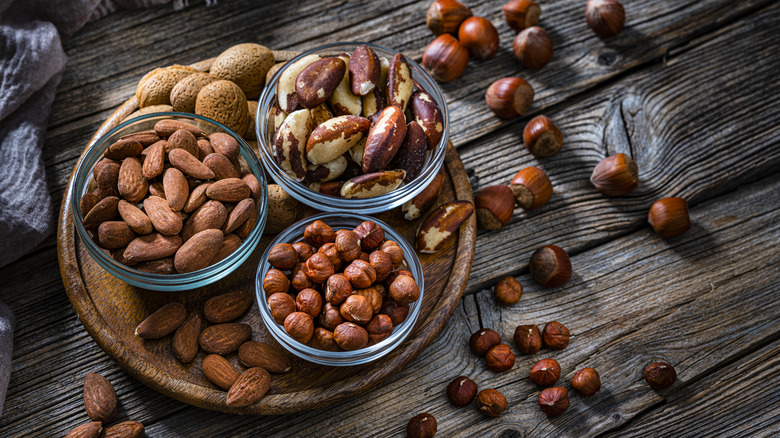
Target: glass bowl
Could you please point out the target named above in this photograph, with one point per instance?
(340, 358)
(165, 282)
(324, 202)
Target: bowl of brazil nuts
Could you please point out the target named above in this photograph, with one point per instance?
(352, 127)
(339, 289)
(169, 201)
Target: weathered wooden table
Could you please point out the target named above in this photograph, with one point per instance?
(690, 89)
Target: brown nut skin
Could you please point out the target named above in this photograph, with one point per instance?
(329, 249)
(528, 339)
(446, 16)
(542, 137)
(491, 402)
(520, 14)
(404, 290)
(545, 372)
(395, 251)
(479, 37)
(669, 217)
(461, 391)
(337, 289)
(586, 382)
(617, 175)
(483, 340)
(374, 296)
(533, 47)
(382, 264)
(318, 268)
(299, 326)
(554, 401)
(347, 245)
(550, 266)
(330, 317)
(360, 274)
(494, 206)
(421, 426)
(281, 305)
(445, 58)
(605, 17)
(350, 336)
(509, 98)
(500, 358)
(299, 279)
(319, 233)
(532, 188)
(283, 256)
(555, 335)
(309, 301)
(364, 70)
(370, 234)
(323, 340)
(275, 281)
(304, 251)
(379, 328)
(357, 309)
(395, 311)
(508, 291)
(660, 375)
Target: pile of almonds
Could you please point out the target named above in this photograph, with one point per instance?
(102, 406)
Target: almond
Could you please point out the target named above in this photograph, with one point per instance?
(185, 91)
(88, 430)
(230, 243)
(318, 80)
(227, 307)
(164, 128)
(125, 429)
(239, 215)
(286, 97)
(442, 224)
(189, 165)
(131, 181)
(221, 166)
(226, 145)
(373, 184)
(88, 200)
(290, 143)
(151, 247)
(176, 188)
(185, 339)
(154, 163)
(162, 322)
(412, 153)
(245, 64)
(155, 87)
(428, 115)
(399, 82)
(334, 137)
(224, 338)
(228, 190)
(123, 148)
(146, 138)
(107, 177)
(384, 139)
(258, 354)
(254, 186)
(105, 210)
(342, 100)
(159, 266)
(219, 371)
(225, 102)
(212, 214)
(282, 210)
(114, 234)
(99, 398)
(204, 146)
(250, 387)
(364, 70)
(197, 198)
(162, 217)
(198, 251)
(185, 140)
(414, 208)
(244, 230)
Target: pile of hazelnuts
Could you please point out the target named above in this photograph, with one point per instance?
(339, 290)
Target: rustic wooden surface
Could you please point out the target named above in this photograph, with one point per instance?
(689, 89)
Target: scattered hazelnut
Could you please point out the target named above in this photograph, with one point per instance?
(329, 249)
(371, 235)
(508, 291)
(445, 16)
(330, 317)
(318, 268)
(500, 358)
(404, 290)
(605, 17)
(586, 382)
(483, 340)
(520, 14)
(660, 375)
(382, 264)
(357, 309)
(347, 245)
(550, 266)
(445, 58)
(617, 175)
(531, 187)
(479, 37)
(395, 311)
(545, 372)
(360, 274)
(283, 256)
(533, 47)
(337, 289)
(350, 336)
(373, 295)
(509, 98)
(299, 326)
(555, 335)
(669, 217)
(542, 137)
(319, 233)
(323, 340)
(275, 281)
(395, 251)
(299, 279)
(379, 328)
(421, 426)
(528, 339)
(494, 206)
(281, 305)
(304, 251)
(461, 391)
(309, 301)
(491, 402)
(554, 401)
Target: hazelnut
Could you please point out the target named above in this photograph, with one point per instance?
(318, 268)
(520, 14)
(461, 391)
(586, 382)
(483, 340)
(379, 328)
(508, 291)
(299, 326)
(363, 256)
(329, 249)
(374, 297)
(445, 16)
(605, 17)
(669, 217)
(616, 175)
(494, 206)
(490, 402)
(395, 311)
(421, 426)
(360, 274)
(531, 187)
(555, 335)
(542, 137)
(528, 339)
(545, 372)
(382, 264)
(309, 301)
(319, 233)
(395, 251)
(404, 290)
(660, 375)
(357, 309)
(554, 401)
(479, 37)
(323, 340)
(299, 279)
(395, 274)
(445, 58)
(533, 47)
(281, 305)
(347, 245)
(283, 256)
(550, 266)
(337, 289)
(350, 336)
(304, 251)
(371, 235)
(500, 358)
(275, 281)
(330, 317)
(509, 98)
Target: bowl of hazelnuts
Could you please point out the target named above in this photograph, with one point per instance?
(339, 289)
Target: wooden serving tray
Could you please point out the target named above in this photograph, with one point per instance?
(110, 309)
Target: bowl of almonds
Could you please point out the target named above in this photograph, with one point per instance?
(352, 127)
(170, 201)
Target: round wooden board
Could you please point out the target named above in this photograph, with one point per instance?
(110, 310)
